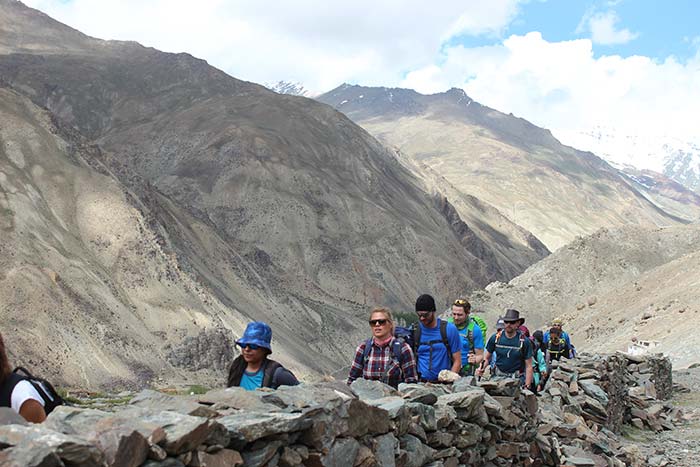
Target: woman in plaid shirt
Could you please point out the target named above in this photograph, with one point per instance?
(383, 357)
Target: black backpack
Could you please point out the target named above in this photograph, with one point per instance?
(45, 389)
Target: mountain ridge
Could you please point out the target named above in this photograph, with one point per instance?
(552, 190)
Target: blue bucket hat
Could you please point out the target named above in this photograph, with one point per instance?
(257, 333)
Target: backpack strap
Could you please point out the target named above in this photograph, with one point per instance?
(8, 385)
(366, 351)
(270, 368)
(443, 335)
(416, 337)
(470, 333)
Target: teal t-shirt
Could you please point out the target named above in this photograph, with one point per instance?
(252, 381)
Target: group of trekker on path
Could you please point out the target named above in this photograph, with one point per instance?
(393, 355)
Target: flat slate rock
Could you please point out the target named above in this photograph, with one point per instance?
(10, 417)
(32, 442)
(367, 389)
(252, 426)
(182, 432)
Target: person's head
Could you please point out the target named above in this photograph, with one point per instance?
(425, 309)
(460, 311)
(554, 334)
(538, 336)
(381, 322)
(558, 323)
(512, 321)
(255, 342)
(5, 369)
(500, 324)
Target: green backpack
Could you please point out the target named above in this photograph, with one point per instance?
(470, 333)
(470, 330)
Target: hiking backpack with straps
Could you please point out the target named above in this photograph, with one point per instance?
(475, 321)
(395, 355)
(45, 389)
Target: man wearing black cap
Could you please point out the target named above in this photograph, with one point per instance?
(512, 349)
(438, 345)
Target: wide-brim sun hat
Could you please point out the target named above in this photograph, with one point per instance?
(513, 315)
(257, 333)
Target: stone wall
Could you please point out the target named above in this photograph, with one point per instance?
(492, 423)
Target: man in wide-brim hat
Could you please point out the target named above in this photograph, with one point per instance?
(513, 350)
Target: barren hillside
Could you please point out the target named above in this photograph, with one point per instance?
(614, 285)
(220, 202)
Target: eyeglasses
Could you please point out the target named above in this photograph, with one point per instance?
(424, 314)
(374, 322)
(511, 322)
(460, 302)
(250, 346)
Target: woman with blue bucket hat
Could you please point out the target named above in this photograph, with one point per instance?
(252, 369)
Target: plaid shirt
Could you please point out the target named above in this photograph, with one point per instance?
(401, 369)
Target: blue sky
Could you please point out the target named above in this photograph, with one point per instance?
(661, 28)
(567, 65)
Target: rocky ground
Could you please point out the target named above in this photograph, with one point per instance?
(678, 447)
(578, 420)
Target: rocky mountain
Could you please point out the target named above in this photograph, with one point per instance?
(673, 157)
(551, 190)
(153, 205)
(612, 286)
(665, 192)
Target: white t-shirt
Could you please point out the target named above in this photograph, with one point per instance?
(22, 392)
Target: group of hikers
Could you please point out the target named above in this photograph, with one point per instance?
(392, 355)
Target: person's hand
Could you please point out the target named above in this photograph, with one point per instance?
(480, 371)
(471, 358)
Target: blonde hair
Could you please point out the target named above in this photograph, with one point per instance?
(387, 314)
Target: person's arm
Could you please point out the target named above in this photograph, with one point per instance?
(32, 411)
(529, 351)
(483, 364)
(541, 364)
(567, 350)
(477, 353)
(357, 364)
(283, 377)
(408, 365)
(456, 361)
(455, 342)
(528, 373)
(490, 347)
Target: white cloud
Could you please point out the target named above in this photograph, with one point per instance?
(563, 86)
(603, 29)
(318, 43)
(558, 85)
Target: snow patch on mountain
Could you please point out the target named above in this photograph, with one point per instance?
(676, 158)
(286, 87)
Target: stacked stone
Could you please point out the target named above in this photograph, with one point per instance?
(586, 402)
(493, 423)
(323, 424)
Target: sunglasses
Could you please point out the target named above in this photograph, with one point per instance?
(250, 346)
(374, 322)
(511, 322)
(424, 314)
(460, 302)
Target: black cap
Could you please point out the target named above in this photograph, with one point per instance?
(425, 303)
